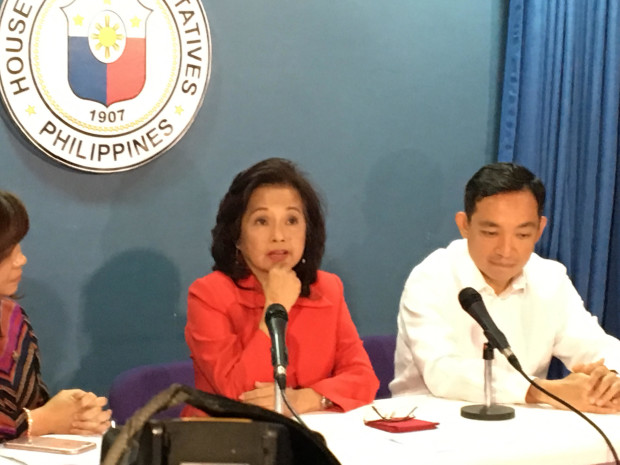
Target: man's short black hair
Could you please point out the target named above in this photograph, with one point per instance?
(500, 177)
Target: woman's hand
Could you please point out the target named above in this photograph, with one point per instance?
(91, 418)
(280, 286)
(303, 400)
(71, 411)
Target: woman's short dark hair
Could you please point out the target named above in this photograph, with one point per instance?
(497, 178)
(14, 222)
(227, 230)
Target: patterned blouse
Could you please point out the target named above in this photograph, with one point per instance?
(20, 375)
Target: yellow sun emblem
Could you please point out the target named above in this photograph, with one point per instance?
(107, 37)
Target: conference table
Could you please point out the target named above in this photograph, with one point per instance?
(537, 435)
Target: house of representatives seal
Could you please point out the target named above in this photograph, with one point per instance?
(104, 85)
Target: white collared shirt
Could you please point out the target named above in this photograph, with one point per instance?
(439, 346)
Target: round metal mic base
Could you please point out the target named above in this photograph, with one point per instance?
(488, 413)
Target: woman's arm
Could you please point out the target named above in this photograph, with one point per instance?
(227, 347)
(353, 382)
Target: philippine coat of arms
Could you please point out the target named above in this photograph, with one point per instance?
(104, 85)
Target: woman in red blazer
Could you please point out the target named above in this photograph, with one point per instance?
(268, 243)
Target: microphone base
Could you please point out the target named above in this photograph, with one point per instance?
(488, 413)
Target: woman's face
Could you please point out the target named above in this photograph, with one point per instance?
(273, 229)
(11, 271)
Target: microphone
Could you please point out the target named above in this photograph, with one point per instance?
(276, 318)
(472, 303)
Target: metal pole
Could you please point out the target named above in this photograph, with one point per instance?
(277, 398)
(487, 355)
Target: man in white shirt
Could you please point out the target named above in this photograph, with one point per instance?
(531, 299)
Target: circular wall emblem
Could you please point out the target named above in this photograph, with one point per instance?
(104, 85)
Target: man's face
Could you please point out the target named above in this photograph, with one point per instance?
(501, 235)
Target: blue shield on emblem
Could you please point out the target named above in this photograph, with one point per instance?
(106, 49)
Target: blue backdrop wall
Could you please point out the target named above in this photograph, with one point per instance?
(388, 106)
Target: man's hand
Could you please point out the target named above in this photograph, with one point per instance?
(587, 368)
(303, 400)
(604, 384)
(577, 390)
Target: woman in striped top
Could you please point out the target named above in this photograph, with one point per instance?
(25, 405)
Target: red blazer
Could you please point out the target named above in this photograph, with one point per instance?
(230, 353)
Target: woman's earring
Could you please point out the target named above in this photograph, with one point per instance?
(303, 260)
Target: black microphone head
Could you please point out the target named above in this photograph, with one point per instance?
(275, 311)
(469, 296)
(472, 303)
(276, 318)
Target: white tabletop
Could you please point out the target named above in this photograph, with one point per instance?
(537, 435)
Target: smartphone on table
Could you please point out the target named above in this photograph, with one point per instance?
(50, 444)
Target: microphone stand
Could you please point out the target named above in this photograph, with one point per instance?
(279, 358)
(489, 411)
(277, 393)
(280, 397)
